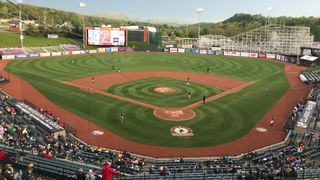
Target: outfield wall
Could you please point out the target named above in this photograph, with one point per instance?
(228, 53)
(65, 53)
(213, 52)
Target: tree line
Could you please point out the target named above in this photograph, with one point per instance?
(70, 23)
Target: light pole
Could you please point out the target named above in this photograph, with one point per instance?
(83, 5)
(199, 11)
(269, 9)
(20, 24)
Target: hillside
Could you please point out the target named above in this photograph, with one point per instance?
(244, 22)
(9, 39)
(234, 25)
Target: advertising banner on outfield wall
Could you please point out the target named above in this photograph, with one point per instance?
(67, 53)
(122, 49)
(261, 55)
(101, 50)
(278, 57)
(189, 50)
(173, 50)
(45, 54)
(107, 49)
(7, 57)
(196, 51)
(92, 51)
(253, 55)
(34, 55)
(227, 53)
(271, 56)
(82, 52)
(283, 58)
(211, 52)
(56, 54)
(166, 50)
(202, 51)
(114, 49)
(244, 54)
(219, 52)
(180, 50)
(21, 56)
(75, 52)
(235, 53)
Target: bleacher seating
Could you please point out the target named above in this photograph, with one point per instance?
(53, 49)
(11, 51)
(312, 77)
(34, 50)
(71, 48)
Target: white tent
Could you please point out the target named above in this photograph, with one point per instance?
(309, 58)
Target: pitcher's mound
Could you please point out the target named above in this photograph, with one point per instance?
(164, 90)
(172, 114)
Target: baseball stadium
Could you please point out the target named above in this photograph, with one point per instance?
(125, 102)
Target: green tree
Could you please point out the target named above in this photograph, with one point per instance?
(31, 30)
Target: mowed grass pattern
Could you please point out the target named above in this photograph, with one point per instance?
(217, 122)
(143, 90)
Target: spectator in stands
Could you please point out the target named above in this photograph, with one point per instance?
(90, 175)
(7, 172)
(1, 177)
(151, 169)
(29, 174)
(80, 175)
(18, 175)
(107, 172)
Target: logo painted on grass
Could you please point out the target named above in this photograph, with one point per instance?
(181, 131)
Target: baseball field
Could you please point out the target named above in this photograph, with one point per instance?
(98, 88)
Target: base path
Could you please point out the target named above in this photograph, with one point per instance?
(253, 140)
(102, 82)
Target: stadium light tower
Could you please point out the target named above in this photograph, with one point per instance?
(83, 5)
(20, 24)
(269, 9)
(199, 11)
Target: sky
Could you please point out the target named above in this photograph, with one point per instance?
(184, 10)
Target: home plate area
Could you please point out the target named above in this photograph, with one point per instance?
(181, 131)
(174, 114)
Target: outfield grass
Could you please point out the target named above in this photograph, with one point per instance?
(143, 90)
(9, 39)
(217, 122)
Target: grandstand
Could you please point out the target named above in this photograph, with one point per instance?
(34, 50)
(62, 157)
(54, 49)
(273, 38)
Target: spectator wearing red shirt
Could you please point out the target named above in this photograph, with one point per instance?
(107, 172)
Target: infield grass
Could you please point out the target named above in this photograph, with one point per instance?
(143, 90)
